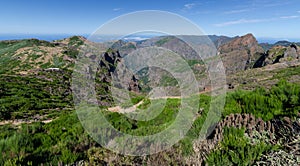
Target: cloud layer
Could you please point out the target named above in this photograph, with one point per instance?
(247, 21)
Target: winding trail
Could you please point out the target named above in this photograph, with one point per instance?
(22, 121)
(125, 110)
(119, 109)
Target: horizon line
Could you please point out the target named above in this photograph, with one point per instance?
(20, 36)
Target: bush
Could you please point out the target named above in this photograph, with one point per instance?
(61, 141)
(236, 149)
(281, 100)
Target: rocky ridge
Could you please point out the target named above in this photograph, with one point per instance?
(284, 132)
(240, 53)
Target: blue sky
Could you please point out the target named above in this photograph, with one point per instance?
(263, 18)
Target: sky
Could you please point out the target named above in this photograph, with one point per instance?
(264, 18)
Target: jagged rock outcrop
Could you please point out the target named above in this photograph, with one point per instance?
(247, 121)
(284, 132)
(134, 84)
(240, 53)
(110, 61)
(109, 73)
(203, 147)
(279, 54)
(124, 47)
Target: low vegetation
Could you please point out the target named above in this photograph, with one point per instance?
(61, 141)
(43, 95)
(236, 149)
(23, 97)
(65, 141)
(281, 100)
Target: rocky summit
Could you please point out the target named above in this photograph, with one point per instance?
(240, 54)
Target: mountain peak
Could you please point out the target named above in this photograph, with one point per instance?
(246, 41)
(240, 53)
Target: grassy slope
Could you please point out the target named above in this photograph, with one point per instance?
(65, 140)
(29, 54)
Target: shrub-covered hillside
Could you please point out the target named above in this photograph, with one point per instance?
(260, 124)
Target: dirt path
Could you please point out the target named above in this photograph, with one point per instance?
(22, 121)
(125, 110)
(134, 107)
(166, 97)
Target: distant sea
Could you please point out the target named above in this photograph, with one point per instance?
(274, 40)
(95, 38)
(137, 37)
(47, 37)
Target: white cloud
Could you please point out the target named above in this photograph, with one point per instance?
(273, 3)
(236, 11)
(289, 17)
(247, 21)
(117, 9)
(242, 21)
(137, 38)
(189, 6)
(298, 11)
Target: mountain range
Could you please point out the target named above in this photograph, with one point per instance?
(259, 124)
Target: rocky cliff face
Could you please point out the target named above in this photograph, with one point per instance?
(279, 54)
(109, 69)
(240, 53)
(284, 132)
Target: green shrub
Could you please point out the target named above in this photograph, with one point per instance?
(236, 149)
(52, 143)
(280, 100)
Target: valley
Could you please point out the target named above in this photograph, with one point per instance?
(260, 123)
